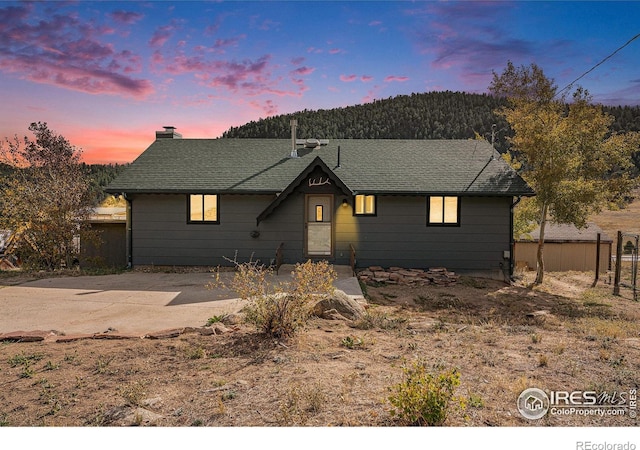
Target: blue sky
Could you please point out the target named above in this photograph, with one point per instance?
(107, 74)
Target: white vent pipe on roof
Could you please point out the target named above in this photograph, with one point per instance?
(294, 125)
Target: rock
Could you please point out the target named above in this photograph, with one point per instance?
(219, 328)
(73, 338)
(25, 336)
(382, 274)
(108, 336)
(407, 273)
(332, 314)
(633, 342)
(140, 416)
(539, 313)
(412, 277)
(151, 402)
(164, 334)
(232, 319)
(342, 304)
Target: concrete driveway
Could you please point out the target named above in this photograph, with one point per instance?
(131, 303)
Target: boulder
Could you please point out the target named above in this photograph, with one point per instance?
(332, 314)
(232, 319)
(341, 303)
(165, 334)
(25, 336)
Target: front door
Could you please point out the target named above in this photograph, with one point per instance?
(318, 233)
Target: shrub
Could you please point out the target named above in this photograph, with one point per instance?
(216, 319)
(353, 342)
(376, 319)
(280, 309)
(133, 393)
(424, 398)
(300, 403)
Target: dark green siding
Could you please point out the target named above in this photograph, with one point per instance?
(162, 236)
(397, 236)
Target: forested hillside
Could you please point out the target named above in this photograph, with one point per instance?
(432, 115)
(99, 174)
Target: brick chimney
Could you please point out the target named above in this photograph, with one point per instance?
(168, 133)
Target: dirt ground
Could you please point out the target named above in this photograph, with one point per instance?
(502, 339)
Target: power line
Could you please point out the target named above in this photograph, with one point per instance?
(568, 86)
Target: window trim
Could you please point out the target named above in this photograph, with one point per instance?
(366, 214)
(203, 221)
(443, 223)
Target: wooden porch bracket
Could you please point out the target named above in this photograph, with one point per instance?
(352, 259)
(279, 257)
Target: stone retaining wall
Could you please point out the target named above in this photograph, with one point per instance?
(399, 275)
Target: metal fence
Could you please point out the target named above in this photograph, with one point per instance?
(626, 264)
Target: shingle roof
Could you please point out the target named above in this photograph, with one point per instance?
(372, 166)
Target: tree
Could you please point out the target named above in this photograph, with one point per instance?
(47, 199)
(566, 151)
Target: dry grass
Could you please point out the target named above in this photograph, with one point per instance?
(502, 339)
(625, 220)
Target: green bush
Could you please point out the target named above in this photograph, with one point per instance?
(424, 398)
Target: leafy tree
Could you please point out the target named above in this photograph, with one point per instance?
(46, 199)
(566, 151)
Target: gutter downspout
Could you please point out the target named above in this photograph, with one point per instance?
(129, 231)
(512, 244)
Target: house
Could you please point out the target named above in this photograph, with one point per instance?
(566, 248)
(411, 203)
(109, 250)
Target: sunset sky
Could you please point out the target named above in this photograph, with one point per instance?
(107, 75)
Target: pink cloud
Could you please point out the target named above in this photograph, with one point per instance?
(392, 78)
(335, 51)
(64, 52)
(247, 77)
(298, 80)
(267, 25)
(375, 23)
(348, 78)
(373, 93)
(303, 71)
(161, 35)
(366, 78)
(268, 107)
(220, 45)
(126, 17)
(297, 61)
(468, 39)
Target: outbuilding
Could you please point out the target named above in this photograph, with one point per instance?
(566, 248)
